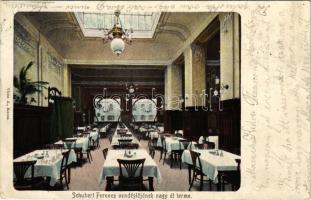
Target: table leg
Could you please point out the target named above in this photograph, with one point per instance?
(219, 181)
(150, 180)
(109, 181)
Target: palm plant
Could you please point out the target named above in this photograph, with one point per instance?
(25, 86)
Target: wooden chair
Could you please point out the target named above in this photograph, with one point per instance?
(23, 183)
(64, 170)
(164, 149)
(105, 152)
(97, 142)
(232, 177)
(123, 143)
(133, 178)
(197, 170)
(91, 143)
(176, 154)
(54, 146)
(152, 144)
(69, 143)
(88, 150)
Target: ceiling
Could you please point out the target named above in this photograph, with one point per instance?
(64, 33)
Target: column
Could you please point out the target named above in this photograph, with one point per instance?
(173, 87)
(230, 54)
(195, 77)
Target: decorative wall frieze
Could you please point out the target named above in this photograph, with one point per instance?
(55, 62)
(24, 45)
(23, 39)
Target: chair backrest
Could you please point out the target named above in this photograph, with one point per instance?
(131, 167)
(124, 141)
(163, 142)
(20, 169)
(69, 143)
(194, 157)
(105, 152)
(54, 146)
(209, 145)
(153, 142)
(64, 163)
(183, 144)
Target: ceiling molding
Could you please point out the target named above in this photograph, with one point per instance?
(117, 62)
(144, 67)
(117, 83)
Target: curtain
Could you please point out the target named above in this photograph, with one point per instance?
(62, 119)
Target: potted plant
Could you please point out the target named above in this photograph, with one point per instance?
(25, 86)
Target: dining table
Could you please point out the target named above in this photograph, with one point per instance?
(213, 162)
(115, 140)
(81, 142)
(110, 167)
(173, 143)
(213, 139)
(48, 163)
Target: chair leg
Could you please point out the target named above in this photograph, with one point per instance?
(69, 170)
(171, 159)
(201, 182)
(193, 177)
(164, 157)
(161, 155)
(91, 156)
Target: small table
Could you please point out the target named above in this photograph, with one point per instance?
(172, 143)
(49, 165)
(212, 164)
(81, 142)
(111, 167)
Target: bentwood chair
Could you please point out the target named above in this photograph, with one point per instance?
(152, 144)
(164, 149)
(88, 150)
(23, 183)
(232, 177)
(123, 143)
(176, 154)
(197, 170)
(64, 172)
(133, 178)
(69, 143)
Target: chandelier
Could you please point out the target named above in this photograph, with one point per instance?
(117, 35)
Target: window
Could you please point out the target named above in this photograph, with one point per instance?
(143, 25)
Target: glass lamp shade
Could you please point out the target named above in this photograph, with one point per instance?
(131, 90)
(117, 46)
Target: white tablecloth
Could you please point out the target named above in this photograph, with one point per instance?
(141, 129)
(81, 142)
(81, 128)
(153, 134)
(172, 143)
(49, 165)
(213, 139)
(212, 163)
(94, 135)
(115, 140)
(161, 129)
(111, 165)
(104, 129)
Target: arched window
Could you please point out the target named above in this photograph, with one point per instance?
(144, 110)
(107, 110)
